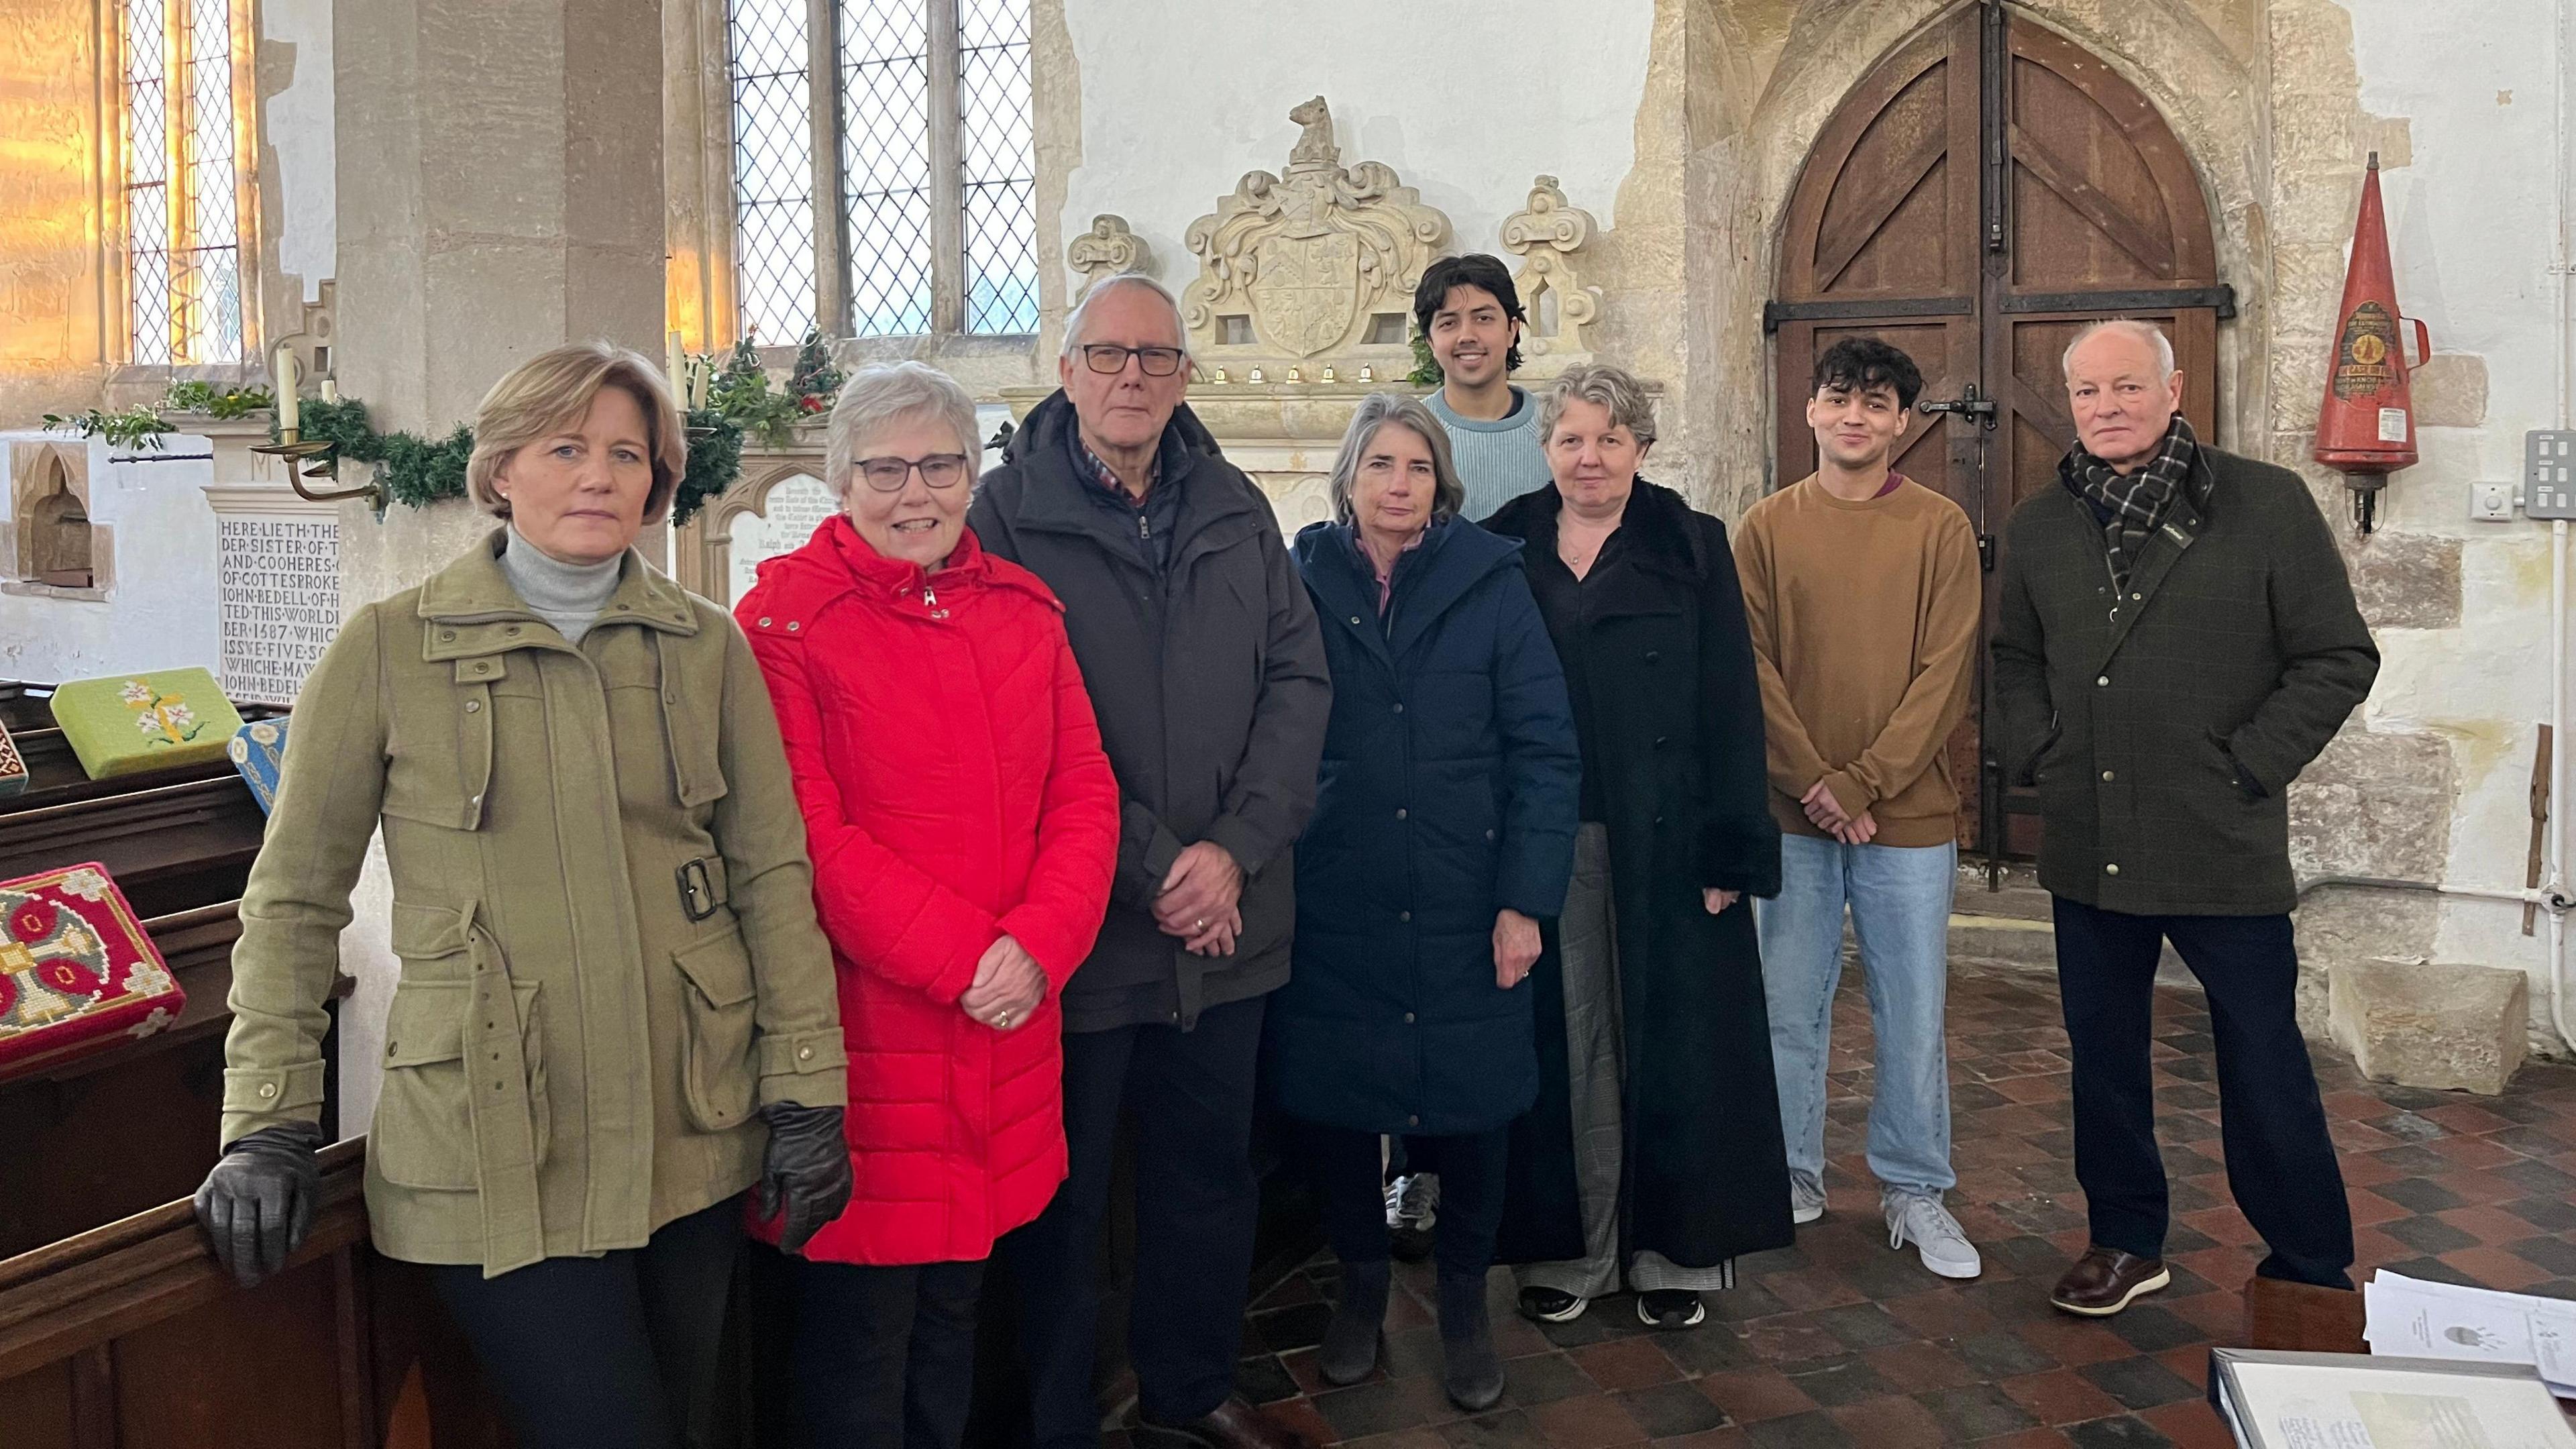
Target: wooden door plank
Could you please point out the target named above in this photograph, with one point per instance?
(2139, 238)
(1841, 137)
(1838, 245)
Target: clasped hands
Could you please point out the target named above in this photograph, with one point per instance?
(1827, 814)
(1008, 986)
(1201, 899)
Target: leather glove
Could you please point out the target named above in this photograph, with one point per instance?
(806, 1172)
(257, 1205)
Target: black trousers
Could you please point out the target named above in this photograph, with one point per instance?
(884, 1356)
(1345, 1168)
(613, 1350)
(2280, 1160)
(1197, 1205)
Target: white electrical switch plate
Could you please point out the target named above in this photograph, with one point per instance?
(2549, 473)
(2491, 502)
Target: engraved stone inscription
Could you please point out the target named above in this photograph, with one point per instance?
(794, 508)
(278, 580)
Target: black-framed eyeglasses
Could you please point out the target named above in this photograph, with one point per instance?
(888, 475)
(1111, 358)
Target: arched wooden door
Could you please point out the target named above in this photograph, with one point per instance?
(1981, 195)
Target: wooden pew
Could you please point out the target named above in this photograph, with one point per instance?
(113, 1125)
(130, 1337)
(26, 706)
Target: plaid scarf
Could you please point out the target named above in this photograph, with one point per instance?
(2134, 505)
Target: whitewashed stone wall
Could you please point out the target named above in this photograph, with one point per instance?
(157, 611)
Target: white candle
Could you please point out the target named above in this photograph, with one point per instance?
(330, 389)
(677, 367)
(288, 418)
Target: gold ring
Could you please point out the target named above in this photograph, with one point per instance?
(1201, 924)
(1004, 1019)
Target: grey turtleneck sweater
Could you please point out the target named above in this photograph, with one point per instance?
(569, 596)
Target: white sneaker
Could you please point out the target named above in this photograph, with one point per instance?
(1806, 1198)
(1937, 1237)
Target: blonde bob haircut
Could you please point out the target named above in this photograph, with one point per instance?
(550, 393)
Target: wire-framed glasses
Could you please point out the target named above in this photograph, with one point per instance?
(887, 475)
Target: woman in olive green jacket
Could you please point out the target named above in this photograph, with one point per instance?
(615, 1011)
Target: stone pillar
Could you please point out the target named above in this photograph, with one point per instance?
(500, 192)
(499, 169)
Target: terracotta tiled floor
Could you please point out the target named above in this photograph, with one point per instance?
(1840, 1341)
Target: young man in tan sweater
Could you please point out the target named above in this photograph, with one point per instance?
(1862, 591)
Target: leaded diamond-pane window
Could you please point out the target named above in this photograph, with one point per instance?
(923, 141)
(773, 166)
(997, 166)
(182, 181)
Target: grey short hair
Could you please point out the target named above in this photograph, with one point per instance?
(885, 393)
(1380, 409)
(1599, 383)
(2146, 332)
(1082, 310)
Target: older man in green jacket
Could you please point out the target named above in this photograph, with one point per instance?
(2177, 640)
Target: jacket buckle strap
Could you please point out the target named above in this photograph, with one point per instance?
(498, 1106)
(695, 777)
(698, 898)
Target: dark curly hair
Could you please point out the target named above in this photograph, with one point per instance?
(1858, 364)
(1476, 269)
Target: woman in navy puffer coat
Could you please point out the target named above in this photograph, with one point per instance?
(1443, 832)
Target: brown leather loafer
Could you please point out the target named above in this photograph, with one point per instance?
(1235, 1424)
(2106, 1280)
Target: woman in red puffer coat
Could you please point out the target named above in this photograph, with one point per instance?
(964, 826)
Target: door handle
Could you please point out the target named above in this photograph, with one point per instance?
(1970, 403)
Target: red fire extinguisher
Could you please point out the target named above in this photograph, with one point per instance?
(2367, 426)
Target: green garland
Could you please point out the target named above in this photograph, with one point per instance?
(418, 471)
(1426, 368)
(135, 428)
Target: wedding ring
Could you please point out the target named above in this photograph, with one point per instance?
(1003, 1020)
(1200, 924)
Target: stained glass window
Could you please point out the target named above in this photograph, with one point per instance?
(182, 182)
(925, 148)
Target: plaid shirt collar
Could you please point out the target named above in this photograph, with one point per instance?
(1105, 478)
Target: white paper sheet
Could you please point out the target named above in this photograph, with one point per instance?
(2414, 1318)
(2299, 1406)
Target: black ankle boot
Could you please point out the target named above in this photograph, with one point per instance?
(1472, 1370)
(1349, 1350)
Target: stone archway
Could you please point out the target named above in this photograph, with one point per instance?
(56, 546)
(1782, 67)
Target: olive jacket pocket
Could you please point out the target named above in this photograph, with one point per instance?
(718, 1077)
(424, 1133)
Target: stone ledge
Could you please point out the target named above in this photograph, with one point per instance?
(2430, 1025)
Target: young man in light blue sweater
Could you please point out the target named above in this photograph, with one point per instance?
(1471, 312)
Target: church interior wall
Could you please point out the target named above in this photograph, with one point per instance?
(154, 606)
(1681, 125)
(2478, 218)
(52, 323)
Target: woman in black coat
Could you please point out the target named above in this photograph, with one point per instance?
(1655, 1145)
(1443, 833)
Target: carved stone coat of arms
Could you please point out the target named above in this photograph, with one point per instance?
(1299, 265)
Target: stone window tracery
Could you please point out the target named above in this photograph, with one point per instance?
(181, 70)
(884, 169)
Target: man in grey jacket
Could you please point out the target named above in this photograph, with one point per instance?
(1207, 672)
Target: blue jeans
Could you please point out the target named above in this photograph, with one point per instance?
(1899, 899)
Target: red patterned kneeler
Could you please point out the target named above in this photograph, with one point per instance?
(76, 964)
